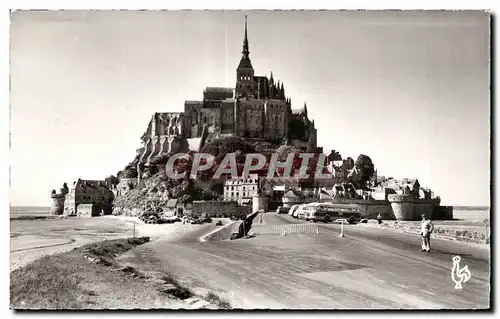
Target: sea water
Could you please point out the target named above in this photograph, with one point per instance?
(16, 211)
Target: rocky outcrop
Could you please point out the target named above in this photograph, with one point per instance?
(147, 195)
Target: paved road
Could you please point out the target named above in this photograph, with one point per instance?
(369, 268)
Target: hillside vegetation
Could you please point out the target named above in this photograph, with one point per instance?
(156, 188)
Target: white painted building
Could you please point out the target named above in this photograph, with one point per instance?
(241, 190)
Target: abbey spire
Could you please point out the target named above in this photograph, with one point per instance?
(245, 41)
(245, 58)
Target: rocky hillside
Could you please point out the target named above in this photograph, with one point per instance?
(156, 188)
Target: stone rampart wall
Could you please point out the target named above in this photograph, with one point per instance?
(218, 208)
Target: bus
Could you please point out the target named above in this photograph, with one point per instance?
(327, 212)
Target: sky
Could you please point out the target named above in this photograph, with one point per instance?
(410, 89)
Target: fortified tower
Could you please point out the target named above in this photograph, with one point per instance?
(57, 206)
(408, 207)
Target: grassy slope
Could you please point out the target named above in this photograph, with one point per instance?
(90, 278)
(70, 281)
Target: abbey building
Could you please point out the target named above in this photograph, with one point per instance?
(257, 107)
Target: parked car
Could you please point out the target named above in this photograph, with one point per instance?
(206, 220)
(282, 210)
(293, 209)
(342, 220)
(218, 223)
(302, 214)
(298, 210)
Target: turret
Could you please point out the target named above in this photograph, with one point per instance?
(57, 206)
(153, 125)
(271, 87)
(65, 189)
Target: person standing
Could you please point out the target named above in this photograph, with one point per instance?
(425, 232)
(379, 218)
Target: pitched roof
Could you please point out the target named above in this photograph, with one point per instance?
(193, 102)
(216, 89)
(171, 203)
(293, 194)
(245, 63)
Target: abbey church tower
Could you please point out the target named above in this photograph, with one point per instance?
(245, 83)
(257, 107)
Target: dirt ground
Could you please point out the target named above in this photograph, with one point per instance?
(368, 268)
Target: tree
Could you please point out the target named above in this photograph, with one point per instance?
(160, 159)
(130, 172)
(179, 145)
(334, 156)
(366, 168)
(110, 180)
(284, 150)
(220, 147)
(208, 194)
(185, 199)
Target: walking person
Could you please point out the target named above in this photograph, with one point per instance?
(425, 232)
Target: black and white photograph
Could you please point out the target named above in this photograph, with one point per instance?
(225, 160)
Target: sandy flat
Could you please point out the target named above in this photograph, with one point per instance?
(32, 239)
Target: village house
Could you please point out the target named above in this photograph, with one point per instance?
(89, 192)
(241, 190)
